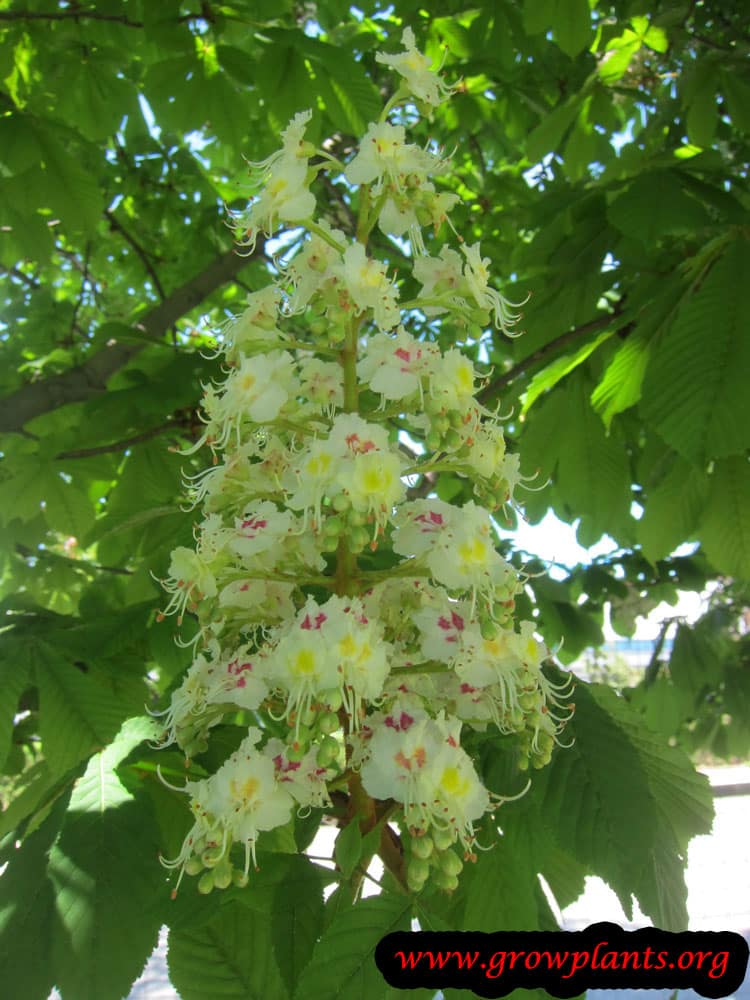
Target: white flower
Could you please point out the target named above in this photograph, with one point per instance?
(285, 195)
(395, 365)
(261, 527)
(322, 382)
(310, 268)
(416, 70)
(476, 274)
(368, 286)
(190, 580)
(243, 798)
(304, 779)
(418, 761)
(255, 390)
(255, 328)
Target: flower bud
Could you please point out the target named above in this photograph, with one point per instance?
(327, 752)
(328, 722)
(421, 847)
(450, 863)
(206, 883)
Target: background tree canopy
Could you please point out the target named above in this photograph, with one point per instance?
(601, 154)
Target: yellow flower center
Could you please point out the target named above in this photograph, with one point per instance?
(244, 791)
(453, 783)
(304, 662)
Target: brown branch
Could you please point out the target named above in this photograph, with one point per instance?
(18, 274)
(26, 553)
(75, 13)
(104, 449)
(90, 378)
(491, 390)
(117, 227)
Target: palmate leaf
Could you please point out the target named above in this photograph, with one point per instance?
(695, 388)
(107, 851)
(596, 797)
(621, 795)
(342, 964)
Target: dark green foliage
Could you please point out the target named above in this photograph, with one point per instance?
(601, 158)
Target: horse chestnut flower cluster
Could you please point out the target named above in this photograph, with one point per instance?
(360, 624)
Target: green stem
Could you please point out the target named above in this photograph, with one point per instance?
(331, 159)
(313, 227)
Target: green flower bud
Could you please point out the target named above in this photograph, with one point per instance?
(206, 883)
(421, 847)
(327, 752)
(328, 722)
(417, 870)
(211, 857)
(193, 866)
(450, 863)
(443, 839)
(441, 880)
(332, 699)
(433, 440)
(222, 874)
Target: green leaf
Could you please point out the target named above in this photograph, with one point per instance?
(348, 849)
(72, 193)
(702, 111)
(67, 508)
(34, 792)
(724, 528)
(14, 678)
(694, 390)
(696, 662)
(656, 205)
(572, 28)
(616, 61)
(237, 63)
(107, 851)
(590, 468)
(297, 913)
(684, 809)
(548, 135)
(672, 510)
(511, 906)
(343, 965)
(736, 90)
(230, 956)
(80, 709)
(558, 369)
(27, 915)
(350, 98)
(620, 385)
(597, 799)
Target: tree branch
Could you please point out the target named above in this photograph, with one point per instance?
(491, 390)
(90, 378)
(77, 13)
(19, 275)
(104, 449)
(117, 227)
